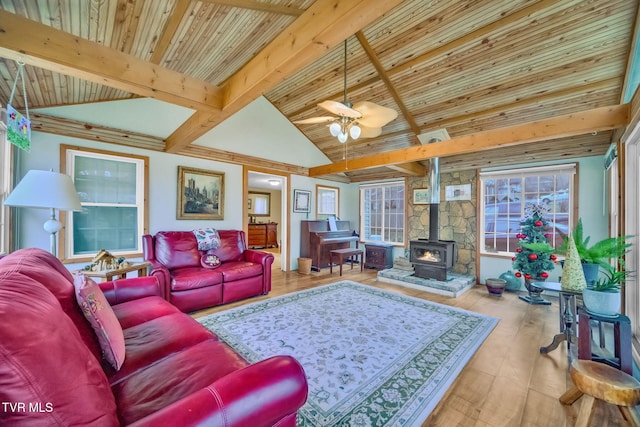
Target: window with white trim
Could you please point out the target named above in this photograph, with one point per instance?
(382, 216)
(328, 202)
(5, 182)
(112, 190)
(505, 195)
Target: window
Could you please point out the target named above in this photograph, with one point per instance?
(5, 183)
(328, 202)
(382, 212)
(112, 191)
(506, 194)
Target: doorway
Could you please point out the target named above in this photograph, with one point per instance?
(266, 208)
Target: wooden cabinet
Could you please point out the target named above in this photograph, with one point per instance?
(379, 256)
(263, 235)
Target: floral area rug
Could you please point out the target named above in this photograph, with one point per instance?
(371, 357)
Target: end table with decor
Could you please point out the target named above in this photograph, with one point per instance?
(119, 273)
(378, 255)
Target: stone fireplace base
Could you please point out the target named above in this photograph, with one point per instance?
(455, 285)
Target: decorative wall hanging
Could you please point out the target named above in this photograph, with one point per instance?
(421, 196)
(457, 192)
(200, 194)
(301, 201)
(19, 126)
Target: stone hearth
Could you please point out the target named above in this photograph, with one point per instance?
(455, 285)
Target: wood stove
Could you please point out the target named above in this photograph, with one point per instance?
(432, 258)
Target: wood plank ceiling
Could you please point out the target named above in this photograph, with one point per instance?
(472, 67)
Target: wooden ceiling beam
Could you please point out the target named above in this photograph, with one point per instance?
(390, 87)
(169, 30)
(594, 120)
(42, 46)
(262, 7)
(321, 27)
(413, 168)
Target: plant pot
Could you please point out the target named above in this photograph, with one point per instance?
(591, 272)
(602, 303)
(496, 286)
(533, 296)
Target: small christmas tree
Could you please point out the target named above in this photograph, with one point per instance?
(534, 257)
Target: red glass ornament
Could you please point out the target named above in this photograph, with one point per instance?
(527, 276)
(547, 235)
(538, 223)
(513, 259)
(544, 274)
(518, 274)
(553, 257)
(519, 250)
(533, 257)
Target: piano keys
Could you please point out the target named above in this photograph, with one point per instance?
(317, 240)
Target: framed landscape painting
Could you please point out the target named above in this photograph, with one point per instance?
(421, 196)
(200, 194)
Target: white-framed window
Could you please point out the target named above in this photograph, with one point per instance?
(112, 189)
(505, 195)
(382, 216)
(328, 202)
(5, 182)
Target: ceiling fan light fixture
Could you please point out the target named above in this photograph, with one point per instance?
(335, 129)
(342, 137)
(355, 131)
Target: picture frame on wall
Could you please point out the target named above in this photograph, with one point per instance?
(200, 194)
(457, 192)
(421, 196)
(301, 201)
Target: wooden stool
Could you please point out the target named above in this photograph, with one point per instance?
(599, 381)
(343, 254)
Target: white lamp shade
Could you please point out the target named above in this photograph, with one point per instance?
(335, 129)
(44, 189)
(355, 131)
(342, 137)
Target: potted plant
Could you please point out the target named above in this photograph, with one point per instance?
(597, 255)
(603, 298)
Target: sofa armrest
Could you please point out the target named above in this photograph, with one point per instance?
(123, 290)
(264, 258)
(161, 272)
(271, 390)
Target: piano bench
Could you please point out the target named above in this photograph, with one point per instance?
(345, 254)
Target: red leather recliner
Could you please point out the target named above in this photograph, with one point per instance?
(175, 372)
(176, 262)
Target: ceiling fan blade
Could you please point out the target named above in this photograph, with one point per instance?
(369, 132)
(313, 120)
(374, 115)
(338, 108)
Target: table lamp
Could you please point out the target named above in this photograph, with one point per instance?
(46, 190)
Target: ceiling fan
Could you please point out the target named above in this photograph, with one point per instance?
(363, 119)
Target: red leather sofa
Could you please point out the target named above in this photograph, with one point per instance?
(175, 372)
(176, 262)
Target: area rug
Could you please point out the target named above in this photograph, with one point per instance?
(371, 357)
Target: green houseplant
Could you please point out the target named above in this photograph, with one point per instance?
(597, 255)
(604, 297)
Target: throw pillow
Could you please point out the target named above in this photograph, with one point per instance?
(207, 238)
(100, 315)
(210, 261)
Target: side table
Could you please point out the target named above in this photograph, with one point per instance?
(121, 273)
(378, 256)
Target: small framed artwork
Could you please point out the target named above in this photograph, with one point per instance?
(457, 192)
(301, 201)
(200, 194)
(421, 196)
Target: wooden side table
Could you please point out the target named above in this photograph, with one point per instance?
(378, 256)
(121, 273)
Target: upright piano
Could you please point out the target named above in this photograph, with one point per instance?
(319, 237)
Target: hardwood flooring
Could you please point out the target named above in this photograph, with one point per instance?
(507, 382)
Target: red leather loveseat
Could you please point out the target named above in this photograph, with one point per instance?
(175, 372)
(187, 284)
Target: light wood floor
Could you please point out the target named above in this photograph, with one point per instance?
(508, 382)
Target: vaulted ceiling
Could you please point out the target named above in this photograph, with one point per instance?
(512, 81)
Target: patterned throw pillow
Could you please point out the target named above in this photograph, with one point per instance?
(209, 261)
(99, 313)
(207, 238)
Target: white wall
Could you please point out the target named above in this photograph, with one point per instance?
(590, 209)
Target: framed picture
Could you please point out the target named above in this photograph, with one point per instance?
(457, 192)
(421, 196)
(200, 194)
(301, 201)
